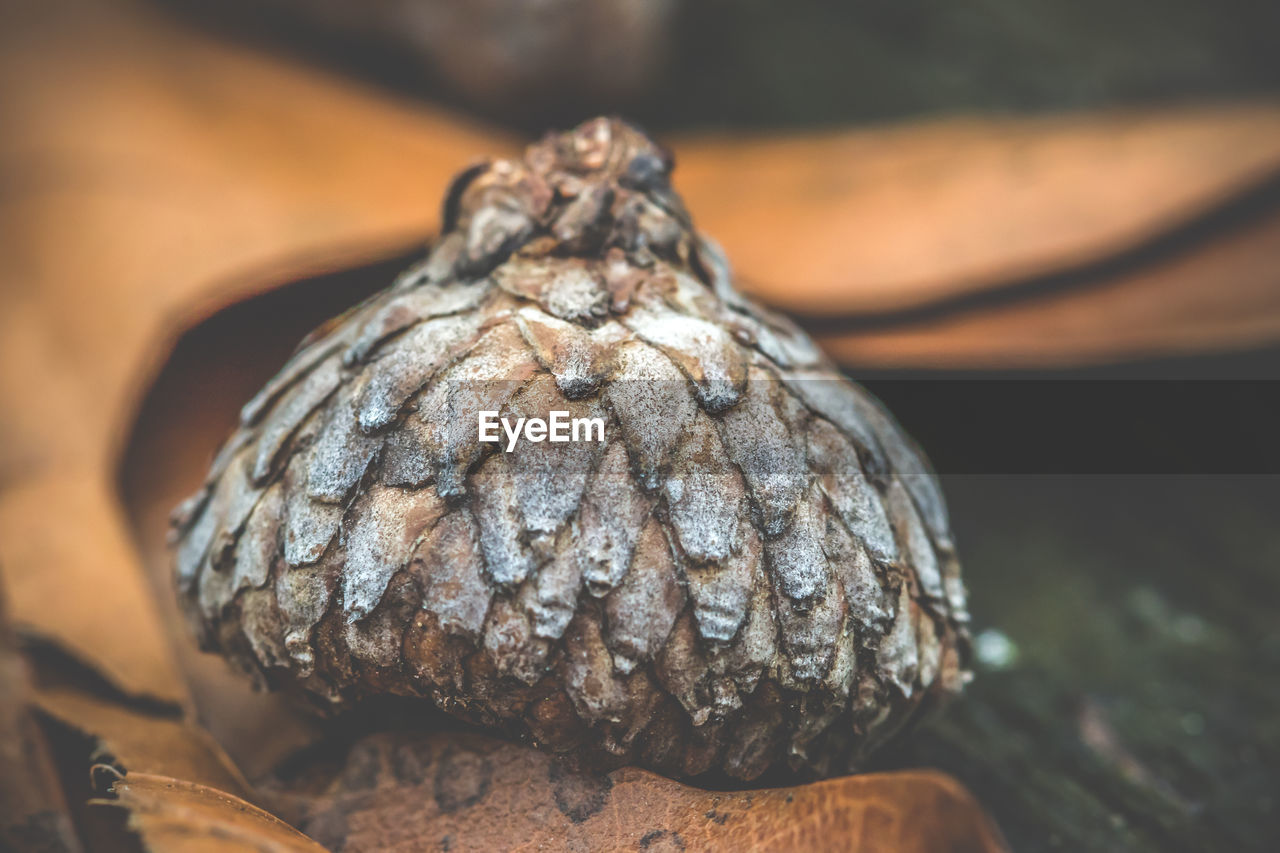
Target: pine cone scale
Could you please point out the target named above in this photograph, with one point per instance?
(750, 566)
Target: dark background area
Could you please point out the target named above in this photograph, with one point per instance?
(1134, 707)
(768, 64)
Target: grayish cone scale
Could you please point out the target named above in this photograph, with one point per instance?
(754, 568)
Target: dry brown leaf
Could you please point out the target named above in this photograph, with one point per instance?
(175, 816)
(1225, 295)
(33, 811)
(140, 741)
(204, 162)
(69, 570)
(208, 167)
(888, 218)
(404, 791)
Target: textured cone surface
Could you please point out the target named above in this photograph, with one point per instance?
(753, 567)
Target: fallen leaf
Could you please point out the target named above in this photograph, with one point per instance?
(406, 791)
(1220, 296)
(205, 162)
(880, 219)
(71, 575)
(185, 817)
(136, 740)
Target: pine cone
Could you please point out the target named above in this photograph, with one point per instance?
(752, 567)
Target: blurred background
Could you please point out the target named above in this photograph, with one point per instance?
(676, 64)
(1046, 233)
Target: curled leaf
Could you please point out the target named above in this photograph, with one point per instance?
(140, 741)
(1222, 293)
(882, 219)
(71, 575)
(185, 817)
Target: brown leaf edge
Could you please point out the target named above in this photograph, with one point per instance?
(138, 740)
(864, 221)
(174, 815)
(1216, 290)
